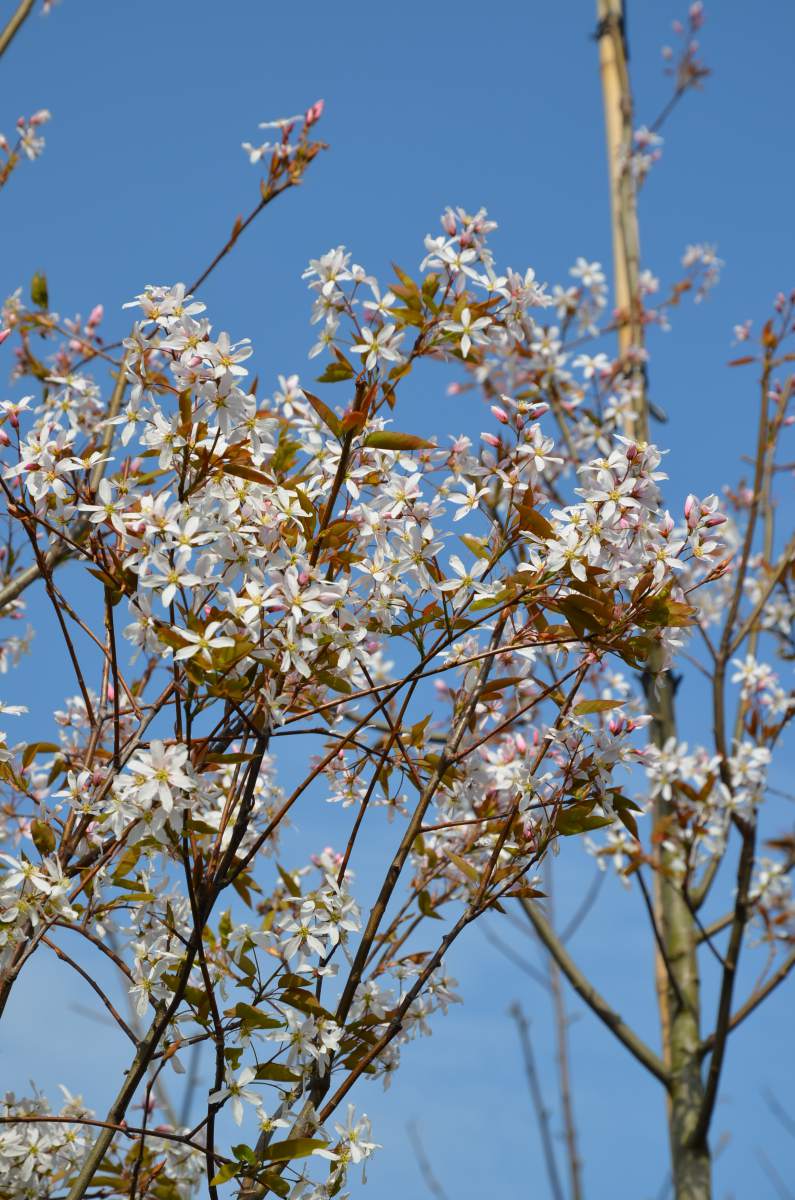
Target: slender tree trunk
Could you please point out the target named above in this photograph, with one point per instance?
(677, 973)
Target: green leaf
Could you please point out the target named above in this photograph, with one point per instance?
(304, 1001)
(227, 1172)
(293, 1148)
(38, 290)
(244, 1153)
(254, 1018)
(595, 706)
(274, 1181)
(43, 836)
(277, 1072)
(579, 819)
(387, 439)
(426, 907)
(289, 881)
(335, 373)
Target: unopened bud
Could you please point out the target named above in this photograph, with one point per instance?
(4, 335)
(314, 113)
(449, 222)
(490, 440)
(500, 414)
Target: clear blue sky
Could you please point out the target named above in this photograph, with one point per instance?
(427, 105)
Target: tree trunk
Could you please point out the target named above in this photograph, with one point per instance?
(677, 974)
(691, 1165)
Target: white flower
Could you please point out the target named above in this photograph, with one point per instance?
(237, 1091)
(471, 330)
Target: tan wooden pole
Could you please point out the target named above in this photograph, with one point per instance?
(679, 1004)
(617, 97)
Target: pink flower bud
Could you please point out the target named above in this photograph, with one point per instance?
(718, 519)
(4, 335)
(490, 440)
(5, 440)
(303, 578)
(500, 414)
(631, 452)
(448, 222)
(314, 113)
(454, 389)
(696, 14)
(521, 743)
(96, 314)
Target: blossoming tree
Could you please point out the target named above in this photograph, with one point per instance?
(296, 578)
(704, 805)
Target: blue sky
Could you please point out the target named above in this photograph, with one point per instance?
(426, 106)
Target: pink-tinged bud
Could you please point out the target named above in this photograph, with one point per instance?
(96, 314)
(111, 692)
(689, 503)
(195, 361)
(788, 421)
(5, 440)
(31, 466)
(718, 519)
(97, 776)
(677, 27)
(5, 334)
(454, 389)
(135, 465)
(500, 414)
(615, 725)
(537, 410)
(696, 15)
(631, 452)
(490, 440)
(521, 743)
(41, 117)
(536, 737)
(449, 223)
(780, 302)
(303, 578)
(520, 422)
(314, 113)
